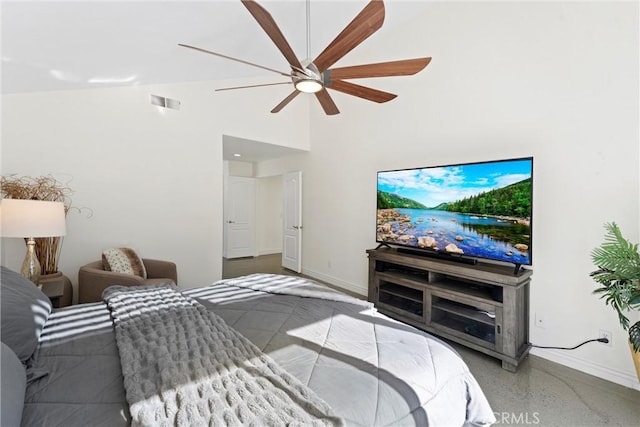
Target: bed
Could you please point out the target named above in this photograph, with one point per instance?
(257, 350)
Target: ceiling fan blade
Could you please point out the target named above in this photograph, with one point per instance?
(235, 59)
(327, 103)
(361, 91)
(267, 23)
(250, 86)
(285, 101)
(367, 22)
(406, 67)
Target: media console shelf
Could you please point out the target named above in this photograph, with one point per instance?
(482, 306)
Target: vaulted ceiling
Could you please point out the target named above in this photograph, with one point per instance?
(51, 45)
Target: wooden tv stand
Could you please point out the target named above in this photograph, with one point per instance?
(483, 306)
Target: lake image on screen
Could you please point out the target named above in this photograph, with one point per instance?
(481, 210)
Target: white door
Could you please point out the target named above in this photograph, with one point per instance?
(239, 217)
(292, 222)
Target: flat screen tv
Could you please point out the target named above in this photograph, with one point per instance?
(463, 211)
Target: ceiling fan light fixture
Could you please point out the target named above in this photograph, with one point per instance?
(316, 75)
(309, 86)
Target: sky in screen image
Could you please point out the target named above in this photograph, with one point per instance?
(435, 185)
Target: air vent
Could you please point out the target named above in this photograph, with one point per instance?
(163, 102)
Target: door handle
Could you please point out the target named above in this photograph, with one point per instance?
(230, 222)
(297, 227)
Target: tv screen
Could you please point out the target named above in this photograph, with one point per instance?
(479, 210)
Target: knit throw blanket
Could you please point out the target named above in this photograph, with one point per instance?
(183, 365)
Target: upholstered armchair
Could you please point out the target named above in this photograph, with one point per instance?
(93, 278)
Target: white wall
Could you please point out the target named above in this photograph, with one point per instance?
(244, 169)
(558, 81)
(151, 177)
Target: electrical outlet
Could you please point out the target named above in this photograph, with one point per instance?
(539, 321)
(607, 335)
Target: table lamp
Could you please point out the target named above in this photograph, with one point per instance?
(29, 219)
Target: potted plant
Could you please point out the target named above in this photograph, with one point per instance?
(618, 275)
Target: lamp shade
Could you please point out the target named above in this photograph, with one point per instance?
(32, 218)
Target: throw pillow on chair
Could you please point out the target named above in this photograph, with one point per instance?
(123, 260)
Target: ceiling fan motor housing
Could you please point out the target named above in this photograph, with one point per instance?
(311, 81)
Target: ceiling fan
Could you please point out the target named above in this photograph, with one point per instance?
(315, 76)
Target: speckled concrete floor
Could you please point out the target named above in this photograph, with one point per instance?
(545, 393)
(541, 393)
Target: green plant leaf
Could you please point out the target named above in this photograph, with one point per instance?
(634, 336)
(618, 273)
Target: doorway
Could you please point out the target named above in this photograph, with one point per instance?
(239, 217)
(292, 222)
(242, 157)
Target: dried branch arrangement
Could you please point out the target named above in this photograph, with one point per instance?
(40, 188)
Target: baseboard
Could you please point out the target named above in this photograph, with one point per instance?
(336, 282)
(269, 251)
(613, 375)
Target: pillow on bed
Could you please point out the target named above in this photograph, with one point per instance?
(25, 310)
(123, 260)
(14, 382)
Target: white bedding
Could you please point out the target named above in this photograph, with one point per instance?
(372, 370)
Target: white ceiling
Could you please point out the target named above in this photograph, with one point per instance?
(54, 45)
(70, 45)
(247, 150)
